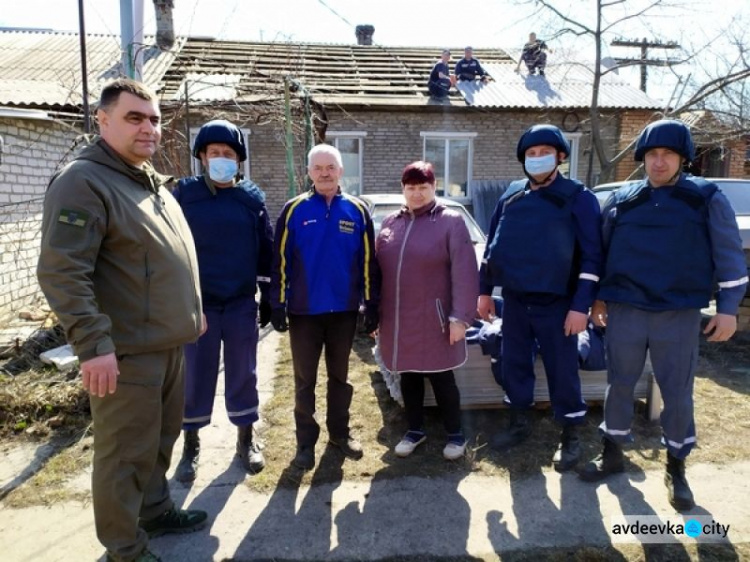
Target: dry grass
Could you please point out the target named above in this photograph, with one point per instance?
(722, 414)
(47, 486)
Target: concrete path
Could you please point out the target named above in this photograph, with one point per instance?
(473, 516)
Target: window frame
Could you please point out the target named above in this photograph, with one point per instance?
(332, 138)
(447, 137)
(574, 139)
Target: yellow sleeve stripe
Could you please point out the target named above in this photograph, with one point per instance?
(366, 271)
(282, 246)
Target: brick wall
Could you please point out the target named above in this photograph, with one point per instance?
(32, 152)
(632, 123)
(737, 159)
(393, 140)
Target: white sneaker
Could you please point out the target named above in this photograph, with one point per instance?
(411, 441)
(454, 451)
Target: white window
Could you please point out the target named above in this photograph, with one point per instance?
(351, 147)
(569, 168)
(451, 155)
(195, 163)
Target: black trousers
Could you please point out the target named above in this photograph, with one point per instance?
(446, 395)
(309, 335)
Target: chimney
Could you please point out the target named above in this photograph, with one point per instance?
(364, 34)
(164, 24)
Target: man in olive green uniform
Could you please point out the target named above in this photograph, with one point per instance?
(118, 267)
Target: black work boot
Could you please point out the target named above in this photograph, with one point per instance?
(519, 429)
(609, 461)
(188, 465)
(249, 450)
(569, 450)
(680, 495)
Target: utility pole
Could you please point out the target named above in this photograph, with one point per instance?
(644, 61)
(84, 69)
(131, 37)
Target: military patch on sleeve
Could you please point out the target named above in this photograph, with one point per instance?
(73, 218)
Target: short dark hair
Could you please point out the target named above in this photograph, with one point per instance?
(418, 172)
(111, 92)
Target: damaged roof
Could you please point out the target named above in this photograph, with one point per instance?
(342, 74)
(42, 69)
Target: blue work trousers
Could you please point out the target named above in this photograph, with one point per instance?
(671, 338)
(523, 323)
(234, 324)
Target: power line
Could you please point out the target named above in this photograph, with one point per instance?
(335, 13)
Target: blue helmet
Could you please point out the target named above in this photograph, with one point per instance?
(667, 133)
(220, 130)
(542, 134)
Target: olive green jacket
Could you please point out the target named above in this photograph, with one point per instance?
(117, 261)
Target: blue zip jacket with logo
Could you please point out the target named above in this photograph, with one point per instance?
(323, 259)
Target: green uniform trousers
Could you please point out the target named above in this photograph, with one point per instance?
(135, 430)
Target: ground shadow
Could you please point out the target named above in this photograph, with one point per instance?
(282, 527)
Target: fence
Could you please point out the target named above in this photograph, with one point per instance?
(20, 235)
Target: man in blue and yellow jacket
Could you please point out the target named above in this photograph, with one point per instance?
(323, 268)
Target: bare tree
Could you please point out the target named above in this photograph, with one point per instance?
(723, 88)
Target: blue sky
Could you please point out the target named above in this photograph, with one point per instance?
(481, 23)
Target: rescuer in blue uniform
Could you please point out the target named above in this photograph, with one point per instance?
(545, 252)
(234, 244)
(440, 81)
(667, 239)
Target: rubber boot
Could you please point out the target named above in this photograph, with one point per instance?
(569, 450)
(680, 495)
(188, 465)
(249, 450)
(610, 461)
(519, 429)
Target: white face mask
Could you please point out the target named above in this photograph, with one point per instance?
(541, 165)
(222, 170)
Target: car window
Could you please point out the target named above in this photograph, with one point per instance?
(603, 194)
(738, 194)
(381, 210)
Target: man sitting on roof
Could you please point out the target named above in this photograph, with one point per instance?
(468, 68)
(440, 78)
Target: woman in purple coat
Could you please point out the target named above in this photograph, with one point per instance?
(428, 299)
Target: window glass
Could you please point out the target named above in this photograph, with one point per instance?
(451, 160)
(351, 157)
(434, 153)
(458, 171)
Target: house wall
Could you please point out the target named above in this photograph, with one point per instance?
(393, 140)
(737, 159)
(632, 123)
(32, 152)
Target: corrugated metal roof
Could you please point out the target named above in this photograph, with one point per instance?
(44, 69)
(564, 86)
